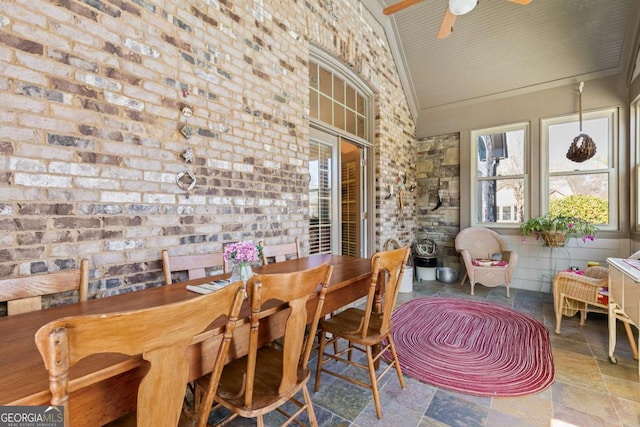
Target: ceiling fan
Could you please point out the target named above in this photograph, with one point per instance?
(455, 8)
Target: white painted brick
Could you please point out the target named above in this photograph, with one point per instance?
(27, 165)
(163, 199)
(76, 249)
(51, 38)
(96, 183)
(97, 81)
(121, 245)
(48, 123)
(145, 232)
(24, 15)
(241, 167)
(159, 177)
(46, 8)
(124, 101)
(142, 95)
(86, 117)
(163, 112)
(121, 173)
(120, 197)
(42, 180)
(103, 58)
(22, 102)
(219, 164)
(121, 149)
(192, 199)
(23, 74)
(139, 186)
(75, 169)
(107, 258)
(77, 195)
(13, 193)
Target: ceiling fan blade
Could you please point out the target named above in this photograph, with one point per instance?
(400, 6)
(447, 24)
(520, 1)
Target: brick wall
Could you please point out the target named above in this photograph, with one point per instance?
(438, 165)
(91, 94)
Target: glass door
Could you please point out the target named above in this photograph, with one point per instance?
(336, 196)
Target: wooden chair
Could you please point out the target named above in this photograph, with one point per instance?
(269, 376)
(476, 245)
(161, 334)
(24, 294)
(282, 252)
(195, 265)
(367, 330)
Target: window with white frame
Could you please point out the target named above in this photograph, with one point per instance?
(585, 189)
(500, 164)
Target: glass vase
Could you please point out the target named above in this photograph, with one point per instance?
(241, 271)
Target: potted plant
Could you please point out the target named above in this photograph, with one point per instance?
(556, 230)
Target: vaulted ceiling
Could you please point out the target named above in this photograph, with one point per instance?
(501, 48)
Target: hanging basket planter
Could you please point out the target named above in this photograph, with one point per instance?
(582, 148)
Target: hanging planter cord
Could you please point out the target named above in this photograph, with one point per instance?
(582, 148)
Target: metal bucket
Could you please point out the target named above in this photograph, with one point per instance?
(446, 275)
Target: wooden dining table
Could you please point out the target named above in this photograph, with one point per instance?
(103, 387)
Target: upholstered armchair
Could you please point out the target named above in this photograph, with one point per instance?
(487, 259)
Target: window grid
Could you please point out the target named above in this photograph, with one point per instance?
(336, 102)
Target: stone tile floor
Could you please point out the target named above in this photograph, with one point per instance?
(588, 391)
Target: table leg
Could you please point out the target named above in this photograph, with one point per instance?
(612, 332)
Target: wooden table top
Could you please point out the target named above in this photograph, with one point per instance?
(22, 370)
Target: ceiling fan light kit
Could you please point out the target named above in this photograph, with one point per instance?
(460, 7)
(454, 8)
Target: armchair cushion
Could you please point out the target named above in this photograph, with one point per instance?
(479, 262)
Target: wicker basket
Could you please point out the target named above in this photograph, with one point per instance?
(582, 148)
(554, 239)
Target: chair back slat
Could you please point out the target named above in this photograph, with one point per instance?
(161, 334)
(24, 294)
(196, 265)
(279, 253)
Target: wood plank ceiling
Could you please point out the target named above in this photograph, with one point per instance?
(502, 48)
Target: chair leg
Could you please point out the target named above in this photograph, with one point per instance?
(374, 382)
(260, 421)
(392, 347)
(472, 285)
(321, 345)
(310, 411)
(464, 277)
(632, 340)
(583, 315)
(507, 290)
(558, 310)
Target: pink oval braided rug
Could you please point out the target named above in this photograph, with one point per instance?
(472, 347)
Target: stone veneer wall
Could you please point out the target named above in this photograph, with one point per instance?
(439, 164)
(90, 120)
